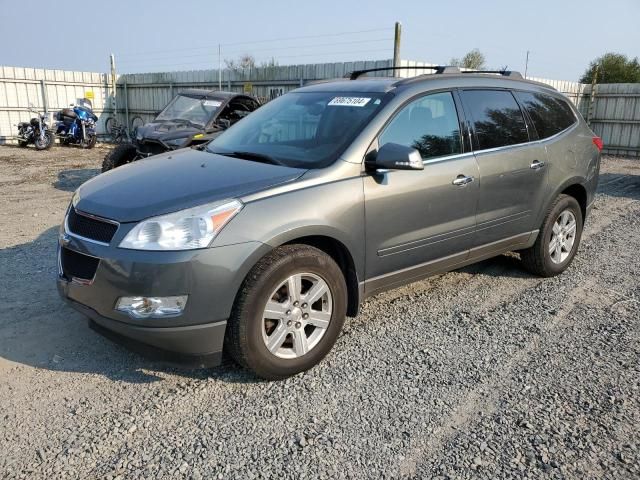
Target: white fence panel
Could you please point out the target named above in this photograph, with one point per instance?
(614, 114)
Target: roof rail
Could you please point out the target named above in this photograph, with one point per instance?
(437, 69)
(504, 73)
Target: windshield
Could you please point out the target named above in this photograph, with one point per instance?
(300, 129)
(194, 110)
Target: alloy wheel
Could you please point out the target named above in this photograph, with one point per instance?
(297, 315)
(563, 236)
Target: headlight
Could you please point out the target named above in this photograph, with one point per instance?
(185, 230)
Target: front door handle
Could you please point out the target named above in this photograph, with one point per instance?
(462, 180)
(536, 165)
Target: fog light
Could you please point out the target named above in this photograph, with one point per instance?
(157, 307)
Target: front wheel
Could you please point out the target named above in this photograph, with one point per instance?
(558, 240)
(288, 313)
(121, 155)
(45, 142)
(90, 142)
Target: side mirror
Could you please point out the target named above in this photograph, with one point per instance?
(393, 156)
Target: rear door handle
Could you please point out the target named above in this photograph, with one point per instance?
(462, 180)
(536, 165)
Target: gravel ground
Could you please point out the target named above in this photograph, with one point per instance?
(486, 372)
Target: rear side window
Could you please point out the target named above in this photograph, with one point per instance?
(497, 118)
(428, 124)
(549, 115)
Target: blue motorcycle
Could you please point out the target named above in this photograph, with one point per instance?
(77, 125)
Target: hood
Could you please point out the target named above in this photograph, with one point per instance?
(166, 131)
(174, 181)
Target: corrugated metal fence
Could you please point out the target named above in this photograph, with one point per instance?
(614, 113)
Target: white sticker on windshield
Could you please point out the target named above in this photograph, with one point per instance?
(212, 103)
(349, 101)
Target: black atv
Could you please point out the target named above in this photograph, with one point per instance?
(192, 117)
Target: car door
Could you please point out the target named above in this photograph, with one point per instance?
(513, 173)
(420, 221)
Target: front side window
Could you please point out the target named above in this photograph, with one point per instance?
(548, 114)
(497, 118)
(301, 129)
(428, 124)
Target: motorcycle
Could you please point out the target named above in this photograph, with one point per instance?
(77, 125)
(35, 131)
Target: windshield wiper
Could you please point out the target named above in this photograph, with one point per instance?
(256, 157)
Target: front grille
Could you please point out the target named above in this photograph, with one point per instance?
(77, 265)
(90, 228)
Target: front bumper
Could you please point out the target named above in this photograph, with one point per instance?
(210, 277)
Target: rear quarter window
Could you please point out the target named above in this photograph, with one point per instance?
(549, 115)
(497, 118)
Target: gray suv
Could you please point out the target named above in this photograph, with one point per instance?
(262, 241)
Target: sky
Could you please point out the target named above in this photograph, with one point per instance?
(562, 36)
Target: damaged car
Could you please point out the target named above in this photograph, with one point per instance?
(193, 117)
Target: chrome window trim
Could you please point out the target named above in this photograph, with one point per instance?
(93, 217)
(447, 157)
(429, 161)
(516, 145)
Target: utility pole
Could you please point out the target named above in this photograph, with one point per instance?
(526, 65)
(219, 67)
(396, 47)
(592, 98)
(112, 59)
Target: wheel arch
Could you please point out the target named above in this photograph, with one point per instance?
(574, 187)
(342, 256)
(338, 247)
(579, 192)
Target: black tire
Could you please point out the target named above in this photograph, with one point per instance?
(244, 333)
(537, 259)
(44, 144)
(23, 144)
(90, 143)
(121, 155)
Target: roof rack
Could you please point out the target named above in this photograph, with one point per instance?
(504, 73)
(437, 69)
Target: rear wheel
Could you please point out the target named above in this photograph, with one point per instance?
(136, 122)
(558, 240)
(121, 155)
(288, 313)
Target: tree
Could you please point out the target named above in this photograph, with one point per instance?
(613, 68)
(474, 60)
(272, 62)
(248, 61)
(245, 61)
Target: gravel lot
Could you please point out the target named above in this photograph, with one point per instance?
(486, 372)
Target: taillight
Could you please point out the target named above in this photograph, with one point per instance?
(597, 141)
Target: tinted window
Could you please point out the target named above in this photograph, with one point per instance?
(497, 118)
(301, 129)
(549, 115)
(429, 124)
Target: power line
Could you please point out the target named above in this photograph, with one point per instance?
(271, 49)
(126, 54)
(164, 65)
